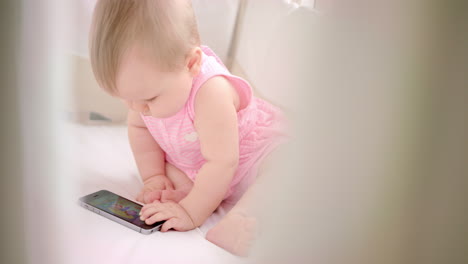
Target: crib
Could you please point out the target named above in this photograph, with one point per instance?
(97, 124)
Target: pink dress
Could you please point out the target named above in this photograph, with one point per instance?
(261, 129)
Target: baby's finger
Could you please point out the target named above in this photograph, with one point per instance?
(157, 218)
(151, 196)
(150, 211)
(149, 205)
(139, 197)
(171, 223)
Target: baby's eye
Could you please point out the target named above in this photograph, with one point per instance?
(152, 99)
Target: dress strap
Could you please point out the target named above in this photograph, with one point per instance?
(211, 53)
(213, 66)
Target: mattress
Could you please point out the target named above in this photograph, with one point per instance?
(104, 160)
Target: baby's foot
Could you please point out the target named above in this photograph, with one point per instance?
(235, 233)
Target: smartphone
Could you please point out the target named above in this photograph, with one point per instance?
(118, 209)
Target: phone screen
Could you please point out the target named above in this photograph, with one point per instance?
(119, 207)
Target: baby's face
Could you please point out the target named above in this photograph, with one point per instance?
(150, 91)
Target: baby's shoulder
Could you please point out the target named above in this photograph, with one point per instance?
(217, 88)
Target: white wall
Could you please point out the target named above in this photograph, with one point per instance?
(216, 21)
(263, 52)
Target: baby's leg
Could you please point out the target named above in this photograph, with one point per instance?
(237, 230)
(182, 184)
(178, 178)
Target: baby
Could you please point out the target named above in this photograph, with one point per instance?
(197, 134)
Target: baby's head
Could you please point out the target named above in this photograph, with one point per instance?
(146, 52)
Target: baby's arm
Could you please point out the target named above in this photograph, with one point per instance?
(149, 158)
(217, 128)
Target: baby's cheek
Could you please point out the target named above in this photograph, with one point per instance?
(127, 103)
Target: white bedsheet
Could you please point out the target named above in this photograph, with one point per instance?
(104, 161)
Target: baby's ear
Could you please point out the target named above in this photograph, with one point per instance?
(193, 61)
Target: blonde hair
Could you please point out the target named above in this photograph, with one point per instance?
(165, 29)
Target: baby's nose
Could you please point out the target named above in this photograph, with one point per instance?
(146, 111)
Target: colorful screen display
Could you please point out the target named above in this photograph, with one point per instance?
(120, 207)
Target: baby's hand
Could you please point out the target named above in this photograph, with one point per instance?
(175, 215)
(153, 187)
